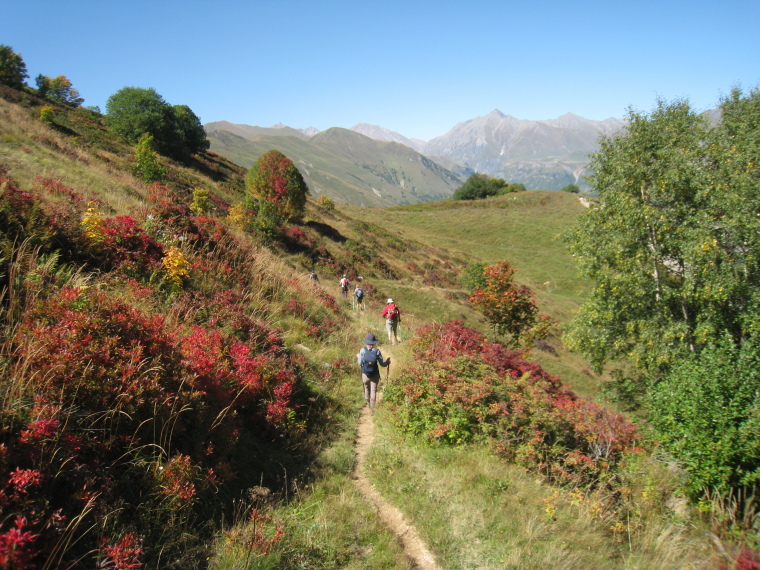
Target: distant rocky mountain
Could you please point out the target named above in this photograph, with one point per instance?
(361, 166)
(383, 134)
(540, 154)
(546, 155)
(344, 165)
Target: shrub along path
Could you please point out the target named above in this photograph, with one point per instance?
(414, 547)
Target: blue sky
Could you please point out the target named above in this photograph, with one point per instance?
(415, 67)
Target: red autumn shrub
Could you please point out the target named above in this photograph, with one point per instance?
(115, 389)
(295, 238)
(465, 388)
(121, 243)
(57, 188)
(20, 217)
(17, 546)
(124, 554)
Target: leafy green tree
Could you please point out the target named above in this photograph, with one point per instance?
(201, 203)
(641, 242)
(278, 186)
(134, 111)
(47, 114)
(480, 186)
(473, 276)
(58, 89)
(189, 125)
(674, 242)
(325, 204)
(12, 68)
(707, 413)
(674, 248)
(573, 188)
(513, 187)
(177, 131)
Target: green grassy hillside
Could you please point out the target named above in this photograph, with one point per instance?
(347, 166)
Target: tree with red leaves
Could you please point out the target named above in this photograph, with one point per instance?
(278, 185)
(507, 306)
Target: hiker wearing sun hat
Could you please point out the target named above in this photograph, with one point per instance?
(392, 316)
(370, 359)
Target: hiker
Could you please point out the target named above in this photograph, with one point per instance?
(392, 316)
(344, 286)
(370, 360)
(313, 276)
(359, 296)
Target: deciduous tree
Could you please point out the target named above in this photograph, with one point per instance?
(147, 166)
(674, 241)
(177, 131)
(641, 241)
(480, 186)
(673, 245)
(58, 89)
(507, 306)
(278, 185)
(12, 68)
(191, 129)
(707, 413)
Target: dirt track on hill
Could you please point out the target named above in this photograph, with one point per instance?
(414, 547)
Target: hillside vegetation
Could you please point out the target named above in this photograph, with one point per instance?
(344, 165)
(176, 393)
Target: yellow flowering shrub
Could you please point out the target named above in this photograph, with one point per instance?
(239, 216)
(92, 222)
(176, 266)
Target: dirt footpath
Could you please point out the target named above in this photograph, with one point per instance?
(414, 547)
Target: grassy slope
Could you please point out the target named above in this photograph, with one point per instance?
(326, 523)
(524, 229)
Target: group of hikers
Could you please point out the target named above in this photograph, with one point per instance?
(357, 297)
(369, 358)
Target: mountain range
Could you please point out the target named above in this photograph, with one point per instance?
(369, 165)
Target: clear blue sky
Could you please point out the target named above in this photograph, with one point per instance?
(415, 67)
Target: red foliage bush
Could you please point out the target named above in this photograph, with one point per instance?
(507, 306)
(465, 387)
(124, 554)
(57, 188)
(123, 244)
(113, 384)
(295, 238)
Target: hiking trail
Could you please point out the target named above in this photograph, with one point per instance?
(414, 547)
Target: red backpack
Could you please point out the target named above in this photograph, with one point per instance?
(393, 312)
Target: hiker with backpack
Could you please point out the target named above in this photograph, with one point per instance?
(370, 359)
(392, 316)
(359, 296)
(344, 283)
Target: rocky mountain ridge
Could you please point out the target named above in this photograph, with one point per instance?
(341, 164)
(546, 154)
